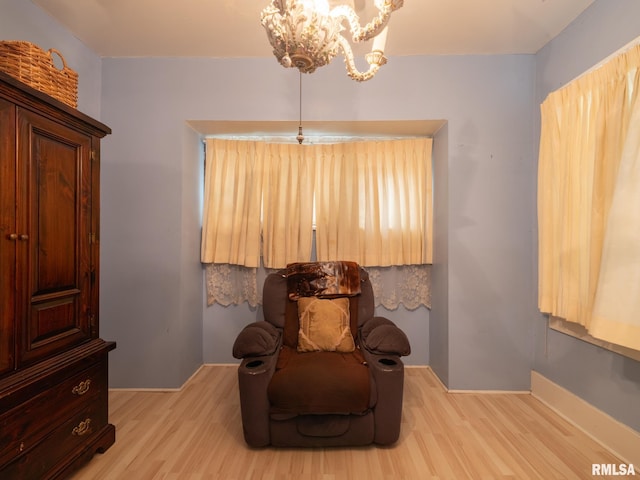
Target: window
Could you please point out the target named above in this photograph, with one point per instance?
(372, 202)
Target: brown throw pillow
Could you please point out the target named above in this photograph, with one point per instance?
(324, 325)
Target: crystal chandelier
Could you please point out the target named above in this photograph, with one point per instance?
(307, 34)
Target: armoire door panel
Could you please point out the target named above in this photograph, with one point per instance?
(57, 214)
(7, 236)
(53, 324)
(55, 230)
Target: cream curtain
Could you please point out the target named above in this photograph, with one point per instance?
(231, 223)
(373, 202)
(288, 206)
(287, 223)
(258, 201)
(616, 313)
(589, 228)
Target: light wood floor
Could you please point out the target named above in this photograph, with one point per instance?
(196, 434)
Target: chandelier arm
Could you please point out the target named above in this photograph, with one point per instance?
(352, 70)
(374, 27)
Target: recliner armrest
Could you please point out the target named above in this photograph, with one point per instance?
(257, 339)
(381, 336)
(388, 375)
(254, 375)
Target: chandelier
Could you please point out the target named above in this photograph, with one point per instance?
(307, 34)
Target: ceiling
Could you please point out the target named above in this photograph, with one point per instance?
(231, 28)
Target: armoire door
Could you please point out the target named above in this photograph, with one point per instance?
(54, 236)
(8, 236)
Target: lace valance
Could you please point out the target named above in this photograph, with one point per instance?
(407, 285)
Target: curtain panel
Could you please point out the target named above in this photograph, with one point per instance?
(588, 202)
(231, 220)
(287, 205)
(373, 202)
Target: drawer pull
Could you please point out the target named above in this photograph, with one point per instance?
(83, 428)
(82, 387)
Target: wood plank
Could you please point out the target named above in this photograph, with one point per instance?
(196, 434)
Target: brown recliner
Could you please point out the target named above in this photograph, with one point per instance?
(297, 390)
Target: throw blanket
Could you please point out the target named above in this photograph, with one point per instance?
(323, 279)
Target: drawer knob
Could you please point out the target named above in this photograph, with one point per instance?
(83, 428)
(82, 387)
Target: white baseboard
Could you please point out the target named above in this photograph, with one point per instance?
(617, 437)
(476, 392)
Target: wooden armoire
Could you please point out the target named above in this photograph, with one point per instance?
(53, 365)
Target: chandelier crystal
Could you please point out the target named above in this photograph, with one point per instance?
(308, 34)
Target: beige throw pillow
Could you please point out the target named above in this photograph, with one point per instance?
(324, 325)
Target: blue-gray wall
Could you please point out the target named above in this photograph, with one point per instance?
(439, 326)
(488, 104)
(609, 381)
(480, 333)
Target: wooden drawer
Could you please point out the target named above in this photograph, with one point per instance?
(24, 426)
(48, 456)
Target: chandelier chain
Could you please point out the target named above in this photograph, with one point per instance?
(300, 136)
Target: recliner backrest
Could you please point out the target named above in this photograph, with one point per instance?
(276, 303)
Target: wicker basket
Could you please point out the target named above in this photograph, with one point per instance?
(32, 65)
